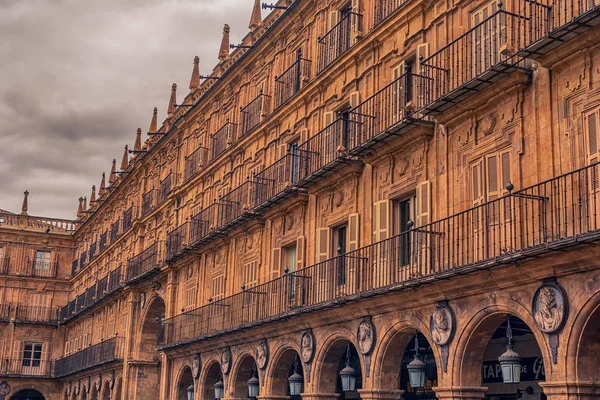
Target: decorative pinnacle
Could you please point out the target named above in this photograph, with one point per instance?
(102, 185)
(154, 121)
(255, 18)
(195, 80)
(93, 195)
(172, 101)
(125, 160)
(138, 140)
(80, 208)
(25, 205)
(224, 50)
(113, 173)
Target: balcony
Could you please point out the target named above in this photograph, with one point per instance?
(204, 224)
(103, 242)
(547, 217)
(5, 312)
(40, 224)
(149, 202)
(129, 216)
(92, 251)
(177, 241)
(4, 263)
(338, 40)
(37, 314)
(254, 112)
(292, 80)
(114, 231)
(222, 139)
(275, 183)
(99, 354)
(35, 268)
(146, 263)
(389, 113)
(481, 56)
(166, 186)
(26, 368)
(195, 162)
(385, 8)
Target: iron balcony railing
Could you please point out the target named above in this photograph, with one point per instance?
(4, 263)
(103, 242)
(482, 55)
(195, 162)
(129, 216)
(92, 251)
(549, 216)
(27, 368)
(149, 202)
(114, 280)
(254, 112)
(5, 312)
(99, 354)
(166, 186)
(90, 296)
(35, 268)
(146, 262)
(74, 267)
(222, 139)
(338, 40)
(292, 80)
(385, 8)
(82, 259)
(114, 231)
(37, 314)
(275, 182)
(236, 204)
(177, 240)
(204, 223)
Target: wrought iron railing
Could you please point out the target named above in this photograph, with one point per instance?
(82, 259)
(92, 251)
(26, 367)
(114, 280)
(4, 263)
(5, 312)
(560, 212)
(114, 231)
(177, 240)
(254, 112)
(235, 204)
(93, 356)
(338, 40)
(204, 223)
(195, 162)
(37, 314)
(35, 268)
(385, 8)
(129, 216)
(274, 180)
(147, 261)
(103, 241)
(149, 202)
(166, 186)
(291, 81)
(222, 139)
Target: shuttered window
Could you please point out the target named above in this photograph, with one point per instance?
(218, 287)
(592, 149)
(250, 274)
(190, 296)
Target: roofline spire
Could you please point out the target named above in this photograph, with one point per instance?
(256, 17)
(224, 50)
(25, 205)
(125, 159)
(195, 80)
(138, 140)
(154, 121)
(172, 101)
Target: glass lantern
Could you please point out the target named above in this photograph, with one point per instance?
(416, 369)
(219, 389)
(510, 361)
(348, 375)
(296, 381)
(190, 392)
(253, 384)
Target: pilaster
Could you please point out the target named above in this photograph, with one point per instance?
(571, 390)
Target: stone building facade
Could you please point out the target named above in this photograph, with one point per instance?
(356, 180)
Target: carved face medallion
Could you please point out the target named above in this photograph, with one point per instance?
(307, 347)
(262, 354)
(441, 325)
(365, 336)
(549, 308)
(196, 365)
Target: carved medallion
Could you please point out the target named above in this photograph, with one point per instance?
(262, 354)
(76, 388)
(196, 365)
(307, 346)
(111, 379)
(225, 361)
(441, 325)
(365, 336)
(549, 307)
(4, 388)
(68, 389)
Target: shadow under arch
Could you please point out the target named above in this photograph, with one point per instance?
(281, 367)
(27, 394)
(185, 380)
(240, 373)
(105, 391)
(473, 340)
(150, 332)
(94, 393)
(118, 389)
(390, 356)
(209, 376)
(330, 359)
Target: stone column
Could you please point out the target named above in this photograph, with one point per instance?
(571, 390)
(380, 394)
(460, 392)
(320, 396)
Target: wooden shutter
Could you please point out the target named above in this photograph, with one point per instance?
(397, 71)
(353, 232)
(276, 263)
(422, 54)
(354, 99)
(492, 173)
(328, 118)
(477, 181)
(381, 220)
(423, 203)
(332, 19)
(322, 245)
(303, 135)
(592, 147)
(300, 253)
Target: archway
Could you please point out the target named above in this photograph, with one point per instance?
(480, 366)
(28, 394)
(285, 366)
(105, 391)
(399, 352)
(335, 359)
(185, 381)
(209, 380)
(151, 330)
(94, 394)
(118, 389)
(84, 393)
(588, 367)
(245, 370)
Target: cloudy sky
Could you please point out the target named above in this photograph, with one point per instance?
(77, 77)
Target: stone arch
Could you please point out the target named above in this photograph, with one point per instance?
(184, 380)
(118, 389)
(472, 340)
(27, 393)
(209, 375)
(281, 361)
(94, 393)
(584, 344)
(326, 361)
(392, 344)
(241, 371)
(148, 331)
(105, 391)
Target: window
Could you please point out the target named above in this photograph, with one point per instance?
(404, 211)
(592, 148)
(289, 258)
(488, 37)
(250, 274)
(217, 287)
(42, 260)
(190, 296)
(32, 355)
(292, 148)
(339, 249)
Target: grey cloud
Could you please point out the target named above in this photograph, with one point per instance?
(79, 77)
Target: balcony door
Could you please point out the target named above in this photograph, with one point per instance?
(488, 37)
(32, 359)
(42, 262)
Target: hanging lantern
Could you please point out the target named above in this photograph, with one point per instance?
(510, 361)
(348, 375)
(253, 384)
(190, 392)
(219, 389)
(296, 381)
(416, 369)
